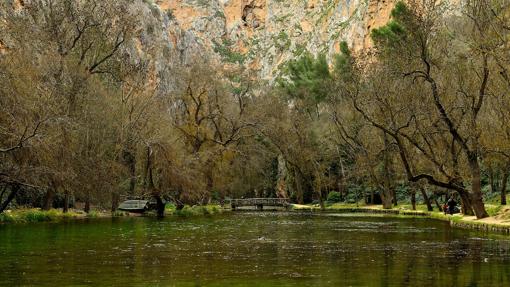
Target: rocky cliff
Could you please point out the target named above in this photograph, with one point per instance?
(263, 34)
(258, 34)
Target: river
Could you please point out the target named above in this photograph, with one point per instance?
(252, 249)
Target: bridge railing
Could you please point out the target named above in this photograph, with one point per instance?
(260, 201)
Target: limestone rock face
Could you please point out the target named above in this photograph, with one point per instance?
(263, 34)
(258, 34)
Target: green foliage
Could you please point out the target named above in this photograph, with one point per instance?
(119, 213)
(306, 77)
(219, 14)
(334, 197)
(343, 61)
(355, 193)
(93, 214)
(7, 218)
(227, 54)
(391, 32)
(493, 210)
(299, 50)
(35, 215)
(400, 11)
(282, 41)
(198, 210)
(395, 30)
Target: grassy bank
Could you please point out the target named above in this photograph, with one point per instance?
(55, 215)
(36, 215)
(196, 210)
(499, 220)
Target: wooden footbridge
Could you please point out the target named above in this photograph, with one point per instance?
(259, 203)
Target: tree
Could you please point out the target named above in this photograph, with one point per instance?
(410, 51)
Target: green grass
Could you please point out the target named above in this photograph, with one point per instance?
(93, 214)
(119, 213)
(196, 210)
(493, 209)
(35, 215)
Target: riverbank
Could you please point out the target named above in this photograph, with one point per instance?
(33, 215)
(499, 220)
(37, 215)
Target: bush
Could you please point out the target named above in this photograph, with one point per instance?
(197, 210)
(119, 213)
(493, 210)
(6, 218)
(93, 214)
(334, 197)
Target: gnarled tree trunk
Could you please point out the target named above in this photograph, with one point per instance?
(475, 196)
(426, 199)
(14, 190)
(49, 196)
(387, 198)
(465, 201)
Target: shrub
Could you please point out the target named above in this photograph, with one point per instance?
(493, 210)
(334, 197)
(6, 218)
(198, 210)
(185, 211)
(93, 214)
(119, 213)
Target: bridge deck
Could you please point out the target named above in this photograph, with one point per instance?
(260, 202)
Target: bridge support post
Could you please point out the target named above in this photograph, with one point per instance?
(260, 207)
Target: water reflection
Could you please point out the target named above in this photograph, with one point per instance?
(255, 249)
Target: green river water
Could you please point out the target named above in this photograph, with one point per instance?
(252, 249)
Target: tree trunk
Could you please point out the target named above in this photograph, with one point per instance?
(318, 190)
(504, 182)
(321, 202)
(492, 180)
(115, 201)
(66, 202)
(86, 209)
(413, 199)
(299, 188)
(281, 180)
(426, 199)
(129, 160)
(160, 206)
(48, 197)
(465, 200)
(476, 189)
(387, 199)
(388, 193)
(209, 177)
(438, 205)
(14, 190)
(342, 186)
